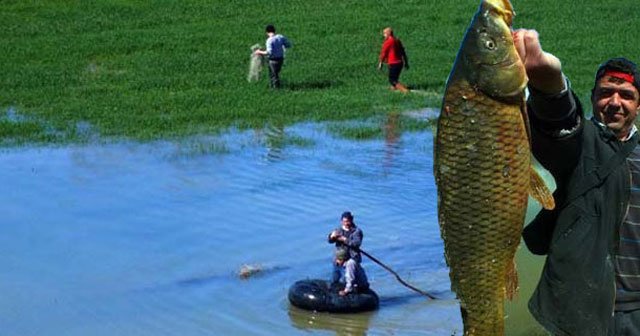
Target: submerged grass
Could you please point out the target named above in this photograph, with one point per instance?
(387, 126)
(197, 148)
(166, 68)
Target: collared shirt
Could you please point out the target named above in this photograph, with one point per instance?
(276, 45)
(627, 259)
(633, 131)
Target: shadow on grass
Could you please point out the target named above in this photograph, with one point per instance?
(313, 85)
(425, 86)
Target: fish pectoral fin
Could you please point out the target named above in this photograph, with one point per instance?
(511, 281)
(539, 191)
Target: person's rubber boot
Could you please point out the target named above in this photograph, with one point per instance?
(402, 88)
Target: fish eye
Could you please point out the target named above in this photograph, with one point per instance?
(486, 41)
(490, 44)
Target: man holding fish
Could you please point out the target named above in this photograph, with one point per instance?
(590, 284)
(589, 229)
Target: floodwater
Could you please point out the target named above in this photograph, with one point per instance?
(148, 239)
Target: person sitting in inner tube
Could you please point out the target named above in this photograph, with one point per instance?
(354, 275)
(348, 236)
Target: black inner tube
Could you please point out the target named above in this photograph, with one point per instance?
(320, 295)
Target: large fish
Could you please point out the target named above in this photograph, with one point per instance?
(483, 170)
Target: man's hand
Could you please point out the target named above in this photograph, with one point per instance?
(543, 69)
(379, 65)
(342, 293)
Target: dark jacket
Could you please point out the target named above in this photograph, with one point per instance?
(576, 291)
(354, 240)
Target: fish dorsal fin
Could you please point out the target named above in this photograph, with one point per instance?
(539, 191)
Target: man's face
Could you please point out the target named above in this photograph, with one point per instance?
(346, 222)
(616, 104)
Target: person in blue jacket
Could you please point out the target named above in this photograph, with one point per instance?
(276, 45)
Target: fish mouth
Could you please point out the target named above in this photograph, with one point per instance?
(507, 62)
(510, 78)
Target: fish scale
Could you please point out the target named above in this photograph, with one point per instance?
(483, 169)
(483, 195)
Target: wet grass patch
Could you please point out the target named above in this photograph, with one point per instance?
(200, 147)
(295, 141)
(278, 137)
(17, 133)
(391, 125)
(18, 129)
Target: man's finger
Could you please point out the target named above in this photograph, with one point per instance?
(531, 41)
(518, 42)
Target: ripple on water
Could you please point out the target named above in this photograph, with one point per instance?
(147, 239)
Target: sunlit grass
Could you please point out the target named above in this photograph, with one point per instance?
(164, 69)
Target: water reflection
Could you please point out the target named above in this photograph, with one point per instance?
(274, 136)
(391, 130)
(405, 298)
(340, 324)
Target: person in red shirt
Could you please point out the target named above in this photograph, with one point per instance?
(394, 55)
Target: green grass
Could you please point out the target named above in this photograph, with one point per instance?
(162, 69)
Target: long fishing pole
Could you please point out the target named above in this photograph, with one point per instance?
(395, 274)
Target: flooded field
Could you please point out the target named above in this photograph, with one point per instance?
(148, 239)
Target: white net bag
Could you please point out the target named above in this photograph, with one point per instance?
(255, 64)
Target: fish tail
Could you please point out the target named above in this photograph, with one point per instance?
(484, 324)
